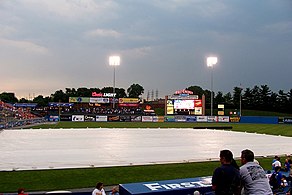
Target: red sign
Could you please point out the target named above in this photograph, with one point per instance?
(183, 91)
(198, 103)
(129, 105)
(94, 94)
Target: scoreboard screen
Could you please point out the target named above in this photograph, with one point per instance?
(184, 104)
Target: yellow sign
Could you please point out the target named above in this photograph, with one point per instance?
(128, 100)
(221, 113)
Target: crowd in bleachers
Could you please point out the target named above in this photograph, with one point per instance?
(11, 116)
(97, 111)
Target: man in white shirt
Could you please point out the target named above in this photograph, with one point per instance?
(252, 175)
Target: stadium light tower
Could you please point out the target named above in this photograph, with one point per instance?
(211, 61)
(114, 61)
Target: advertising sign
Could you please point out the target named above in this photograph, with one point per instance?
(125, 118)
(191, 118)
(223, 119)
(99, 100)
(202, 118)
(113, 118)
(169, 119)
(287, 120)
(128, 100)
(136, 118)
(180, 118)
(198, 103)
(79, 99)
(234, 119)
(89, 118)
(198, 110)
(79, 118)
(184, 91)
(109, 94)
(147, 119)
(95, 94)
(175, 97)
(160, 119)
(66, 117)
(53, 118)
(169, 107)
(101, 118)
(177, 186)
(212, 119)
(128, 105)
(155, 119)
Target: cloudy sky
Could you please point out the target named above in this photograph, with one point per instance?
(47, 45)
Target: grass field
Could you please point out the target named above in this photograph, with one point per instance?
(44, 180)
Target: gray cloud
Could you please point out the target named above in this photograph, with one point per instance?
(50, 45)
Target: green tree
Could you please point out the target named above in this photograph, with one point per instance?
(83, 92)
(256, 102)
(247, 99)
(197, 90)
(71, 92)
(236, 96)
(290, 100)
(41, 101)
(228, 98)
(273, 102)
(59, 96)
(121, 93)
(135, 90)
(219, 99)
(23, 100)
(8, 97)
(282, 100)
(264, 97)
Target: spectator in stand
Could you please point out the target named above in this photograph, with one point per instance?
(20, 191)
(115, 191)
(99, 189)
(287, 166)
(276, 162)
(252, 175)
(225, 179)
(276, 180)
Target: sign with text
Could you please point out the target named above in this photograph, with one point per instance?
(178, 186)
(128, 100)
(101, 118)
(79, 118)
(136, 118)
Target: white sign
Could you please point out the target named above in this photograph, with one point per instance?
(101, 118)
(147, 119)
(78, 118)
(202, 118)
(109, 94)
(223, 119)
(98, 100)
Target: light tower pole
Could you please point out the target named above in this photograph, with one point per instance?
(211, 61)
(114, 61)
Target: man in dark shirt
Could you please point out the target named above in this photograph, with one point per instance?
(226, 179)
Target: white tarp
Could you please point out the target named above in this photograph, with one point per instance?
(70, 148)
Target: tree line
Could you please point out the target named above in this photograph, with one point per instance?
(256, 98)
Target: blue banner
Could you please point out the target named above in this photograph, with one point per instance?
(178, 186)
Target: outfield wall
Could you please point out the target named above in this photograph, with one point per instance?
(172, 118)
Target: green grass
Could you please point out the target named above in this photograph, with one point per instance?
(44, 180)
